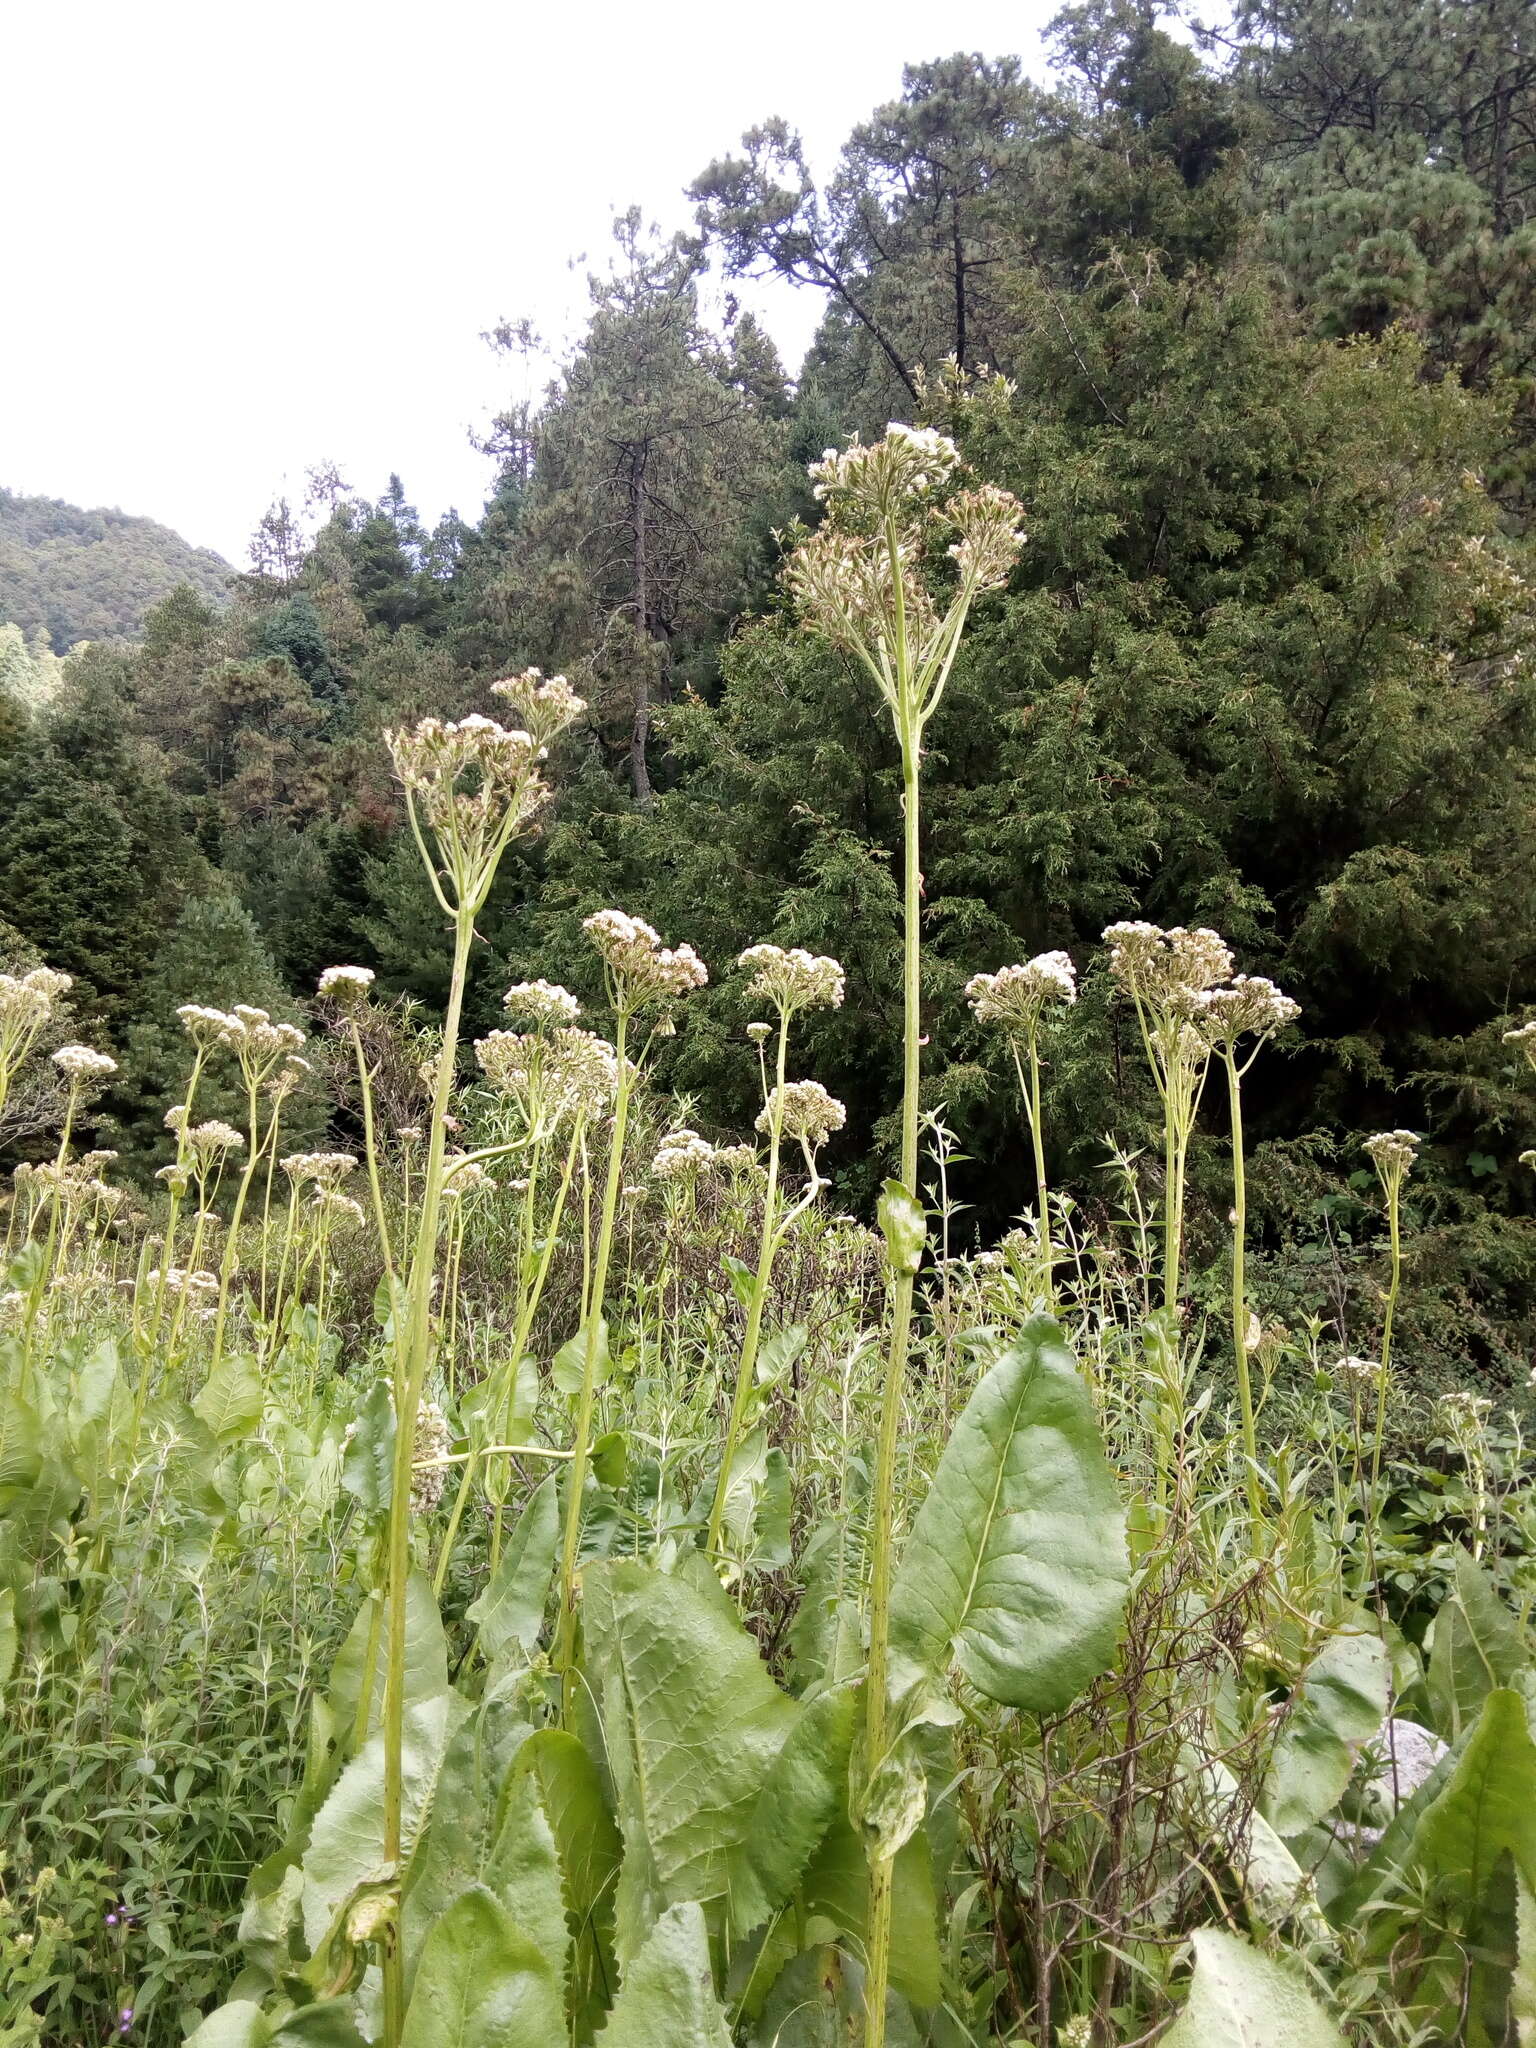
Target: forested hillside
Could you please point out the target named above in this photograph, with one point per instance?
(1248, 328)
(76, 575)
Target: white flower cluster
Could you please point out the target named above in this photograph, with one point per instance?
(1393, 1153)
(1249, 1002)
(645, 970)
(794, 978)
(326, 1168)
(346, 984)
(245, 1030)
(1161, 965)
(804, 1110)
(26, 1000)
(176, 1280)
(905, 462)
(465, 1176)
(1524, 1040)
(990, 539)
(433, 759)
(544, 708)
(335, 1207)
(552, 1075)
(81, 1064)
(541, 1002)
(1014, 997)
(208, 1140)
(1357, 1371)
(432, 1441)
(682, 1156)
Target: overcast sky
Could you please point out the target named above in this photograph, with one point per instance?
(241, 240)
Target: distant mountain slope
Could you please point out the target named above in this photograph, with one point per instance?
(90, 575)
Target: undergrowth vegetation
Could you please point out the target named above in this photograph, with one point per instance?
(540, 1575)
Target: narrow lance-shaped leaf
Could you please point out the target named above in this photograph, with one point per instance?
(511, 1609)
(1015, 1568)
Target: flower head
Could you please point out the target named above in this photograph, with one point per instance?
(1523, 1038)
(1248, 1002)
(429, 1448)
(644, 970)
(804, 1110)
(794, 978)
(1393, 1153)
(543, 707)
(81, 1063)
(682, 1156)
(1164, 968)
(346, 984)
(541, 1002)
(1014, 997)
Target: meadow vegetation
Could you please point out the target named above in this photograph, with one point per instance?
(768, 1251)
(541, 1576)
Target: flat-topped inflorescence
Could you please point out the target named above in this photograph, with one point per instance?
(1015, 997)
(541, 1002)
(794, 978)
(642, 969)
(803, 1110)
(80, 1064)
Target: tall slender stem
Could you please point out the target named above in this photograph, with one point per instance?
(565, 1632)
(414, 1344)
(1239, 1295)
(881, 1868)
(767, 1246)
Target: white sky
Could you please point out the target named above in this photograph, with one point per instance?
(242, 239)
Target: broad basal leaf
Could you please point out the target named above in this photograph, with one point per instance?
(693, 1722)
(1477, 1646)
(805, 1789)
(1015, 1568)
(667, 1998)
(511, 1609)
(1241, 1999)
(1340, 1702)
(482, 1983)
(588, 1846)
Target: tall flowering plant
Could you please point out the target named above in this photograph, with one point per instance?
(865, 580)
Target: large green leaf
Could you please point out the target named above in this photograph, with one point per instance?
(231, 1400)
(239, 2024)
(1477, 1646)
(524, 1873)
(806, 1787)
(693, 1722)
(1241, 1999)
(511, 1609)
(667, 1999)
(1487, 1809)
(457, 1848)
(482, 1983)
(346, 1840)
(588, 1846)
(1015, 1568)
(1339, 1703)
(361, 1659)
(836, 1889)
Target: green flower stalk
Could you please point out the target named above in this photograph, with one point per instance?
(1167, 975)
(791, 981)
(860, 580)
(1393, 1154)
(470, 788)
(1016, 1000)
(1250, 1007)
(642, 976)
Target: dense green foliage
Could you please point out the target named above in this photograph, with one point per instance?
(74, 575)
